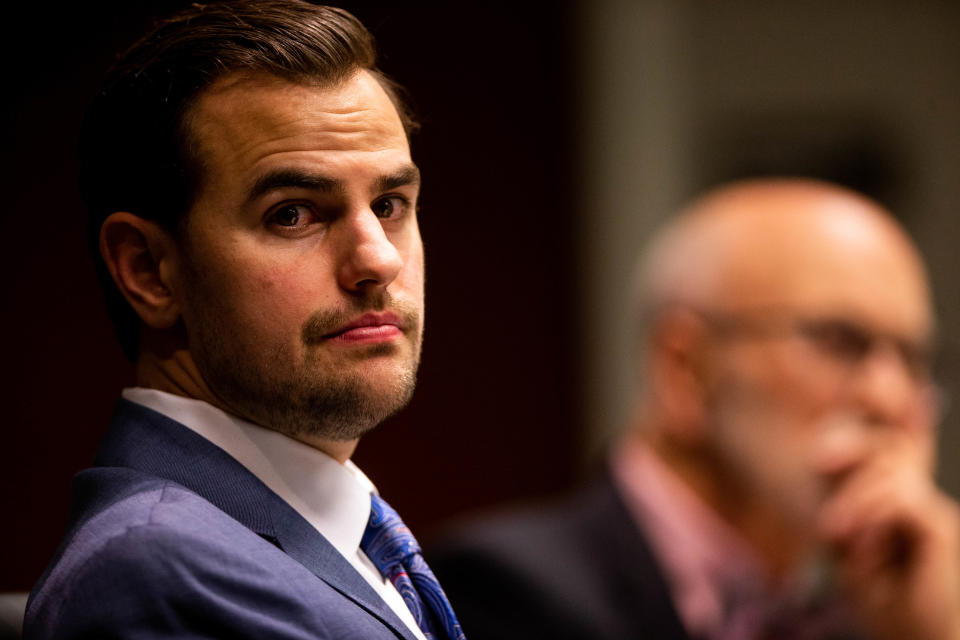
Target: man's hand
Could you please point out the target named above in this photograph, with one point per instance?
(897, 544)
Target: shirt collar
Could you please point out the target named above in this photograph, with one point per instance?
(701, 555)
(333, 497)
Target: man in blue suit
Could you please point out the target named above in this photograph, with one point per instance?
(253, 216)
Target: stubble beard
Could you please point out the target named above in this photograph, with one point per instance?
(312, 399)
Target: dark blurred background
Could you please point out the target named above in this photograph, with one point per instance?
(555, 136)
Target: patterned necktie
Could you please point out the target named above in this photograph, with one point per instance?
(395, 552)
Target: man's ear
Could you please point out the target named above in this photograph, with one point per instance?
(140, 255)
(679, 348)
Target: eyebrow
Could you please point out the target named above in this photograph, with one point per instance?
(300, 179)
(405, 176)
(293, 179)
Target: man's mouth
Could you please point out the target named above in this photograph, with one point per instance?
(369, 328)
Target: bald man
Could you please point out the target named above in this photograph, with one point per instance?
(776, 480)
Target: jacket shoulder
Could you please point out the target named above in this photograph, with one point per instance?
(150, 558)
(575, 569)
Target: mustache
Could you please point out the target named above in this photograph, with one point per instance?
(322, 323)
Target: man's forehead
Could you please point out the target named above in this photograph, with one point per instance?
(829, 258)
(800, 246)
(242, 120)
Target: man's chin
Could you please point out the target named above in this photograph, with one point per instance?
(333, 398)
(355, 412)
(362, 395)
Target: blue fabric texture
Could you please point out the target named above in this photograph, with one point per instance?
(170, 537)
(391, 546)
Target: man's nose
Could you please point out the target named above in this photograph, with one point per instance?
(367, 257)
(886, 389)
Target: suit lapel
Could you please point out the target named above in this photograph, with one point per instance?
(631, 564)
(142, 439)
(298, 539)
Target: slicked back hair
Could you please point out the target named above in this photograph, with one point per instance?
(137, 153)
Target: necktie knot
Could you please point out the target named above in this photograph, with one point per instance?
(387, 541)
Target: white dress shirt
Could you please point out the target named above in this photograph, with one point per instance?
(333, 497)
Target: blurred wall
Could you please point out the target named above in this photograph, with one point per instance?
(681, 94)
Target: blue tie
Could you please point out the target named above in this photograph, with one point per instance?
(395, 552)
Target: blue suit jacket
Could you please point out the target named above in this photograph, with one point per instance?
(171, 537)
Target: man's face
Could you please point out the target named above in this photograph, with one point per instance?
(300, 267)
(813, 376)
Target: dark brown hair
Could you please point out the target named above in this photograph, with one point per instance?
(136, 150)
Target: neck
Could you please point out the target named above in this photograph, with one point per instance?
(164, 363)
(174, 372)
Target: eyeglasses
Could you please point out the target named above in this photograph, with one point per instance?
(842, 341)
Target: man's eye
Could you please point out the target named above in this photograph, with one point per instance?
(389, 207)
(840, 339)
(290, 215)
